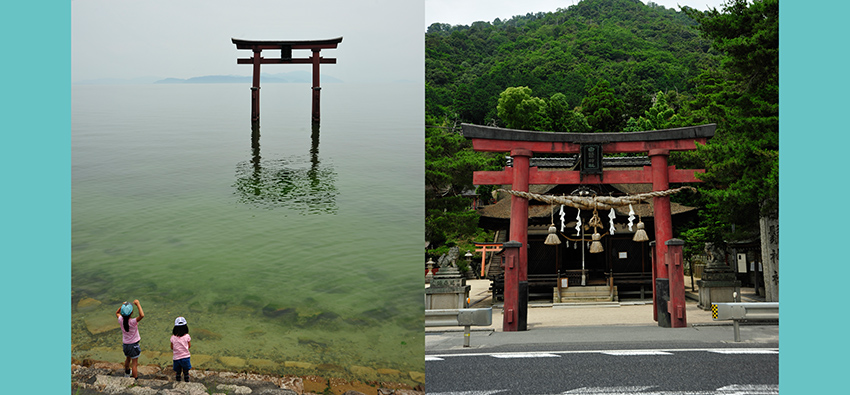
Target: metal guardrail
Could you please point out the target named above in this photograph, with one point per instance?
(459, 317)
(744, 311)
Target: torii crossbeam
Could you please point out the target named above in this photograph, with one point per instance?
(285, 48)
(523, 144)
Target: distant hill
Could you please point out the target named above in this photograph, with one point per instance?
(298, 76)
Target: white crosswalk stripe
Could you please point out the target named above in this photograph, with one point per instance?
(744, 351)
(526, 355)
(636, 352)
(735, 389)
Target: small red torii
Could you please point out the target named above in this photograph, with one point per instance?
(285, 48)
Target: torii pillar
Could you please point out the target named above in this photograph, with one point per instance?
(657, 143)
(285, 48)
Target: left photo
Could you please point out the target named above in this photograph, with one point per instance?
(246, 196)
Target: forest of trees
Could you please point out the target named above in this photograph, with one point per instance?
(611, 66)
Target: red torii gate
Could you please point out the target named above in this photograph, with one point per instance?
(523, 144)
(285, 48)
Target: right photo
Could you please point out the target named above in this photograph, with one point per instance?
(602, 197)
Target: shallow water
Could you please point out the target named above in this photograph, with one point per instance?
(289, 249)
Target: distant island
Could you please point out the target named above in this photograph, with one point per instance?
(298, 76)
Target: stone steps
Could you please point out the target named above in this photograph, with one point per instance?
(587, 294)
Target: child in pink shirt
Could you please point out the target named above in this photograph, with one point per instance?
(180, 343)
(130, 338)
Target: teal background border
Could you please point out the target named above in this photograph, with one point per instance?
(35, 258)
(813, 140)
(35, 150)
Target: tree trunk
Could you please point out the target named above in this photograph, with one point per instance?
(769, 230)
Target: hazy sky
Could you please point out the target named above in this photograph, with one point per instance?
(464, 12)
(382, 39)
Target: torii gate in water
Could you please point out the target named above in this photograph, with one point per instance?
(285, 48)
(523, 144)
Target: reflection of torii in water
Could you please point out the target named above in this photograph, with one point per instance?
(286, 182)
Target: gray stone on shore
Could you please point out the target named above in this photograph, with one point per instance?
(191, 388)
(234, 389)
(112, 384)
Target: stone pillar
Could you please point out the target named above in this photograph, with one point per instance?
(769, 227)
(676, 272)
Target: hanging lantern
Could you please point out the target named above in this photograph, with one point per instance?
(552, 239)
(640, 234)
(596, 245)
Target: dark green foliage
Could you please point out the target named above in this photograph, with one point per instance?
(638, 49)
(742, 161)
(624, 66)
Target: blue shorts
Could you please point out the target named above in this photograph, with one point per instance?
(132, 351)
(182, 365)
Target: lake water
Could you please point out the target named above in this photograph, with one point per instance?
(289, 250)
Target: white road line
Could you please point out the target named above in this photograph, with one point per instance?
(430, 358)
(525, 355)
(734, 389)
(749, 389)
(673, 350)
(636, 352)
(607, 390)
(744, 351)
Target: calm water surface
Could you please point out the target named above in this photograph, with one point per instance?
(289, 249)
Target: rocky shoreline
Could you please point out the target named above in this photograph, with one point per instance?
(99, 377)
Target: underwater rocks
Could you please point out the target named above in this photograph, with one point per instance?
(100, 323)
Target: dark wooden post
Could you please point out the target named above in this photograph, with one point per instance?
(676, 273)
(510, 309)
(316, 88)
(255, 86)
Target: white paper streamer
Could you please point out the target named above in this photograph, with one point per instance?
(578, 223)
(631, 217)
(611, 216)
(561, 214)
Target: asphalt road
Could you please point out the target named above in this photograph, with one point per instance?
(641, 359)
(636, 370)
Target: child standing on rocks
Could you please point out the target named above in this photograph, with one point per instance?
(131, 338)
(180, 343)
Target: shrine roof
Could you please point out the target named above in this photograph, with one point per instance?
(494, 133)
(295, 44)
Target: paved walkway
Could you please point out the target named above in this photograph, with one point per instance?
(545, 314)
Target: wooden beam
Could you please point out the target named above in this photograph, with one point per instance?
(285, 61)
(552, 147)
(537, 177)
